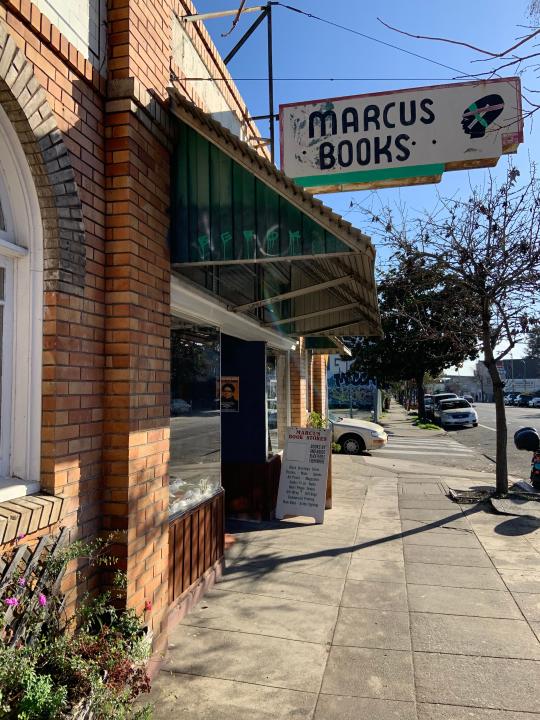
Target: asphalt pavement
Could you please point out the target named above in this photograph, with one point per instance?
(482, 438)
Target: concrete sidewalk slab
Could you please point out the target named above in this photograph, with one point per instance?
(402, 605)
(498, 683)
(200, 651)
(462, 601)
(493, 637)
(364, 672)
(265, 615)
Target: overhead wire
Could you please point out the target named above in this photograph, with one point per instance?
(373, 39)
(335, 79)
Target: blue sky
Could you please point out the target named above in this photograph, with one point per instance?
(307, 48)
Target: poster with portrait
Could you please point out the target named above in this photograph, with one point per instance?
(229, 393)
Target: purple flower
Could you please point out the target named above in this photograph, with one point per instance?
(11, 601)
(42, 599)
(20, 536)
(21, 581)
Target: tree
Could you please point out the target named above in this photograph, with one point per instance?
(425, 330)
(521, 56)
(533, 342)
(491, 242)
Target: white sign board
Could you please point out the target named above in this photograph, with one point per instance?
(403, 137)
(304, 470)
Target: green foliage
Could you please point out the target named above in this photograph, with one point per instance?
(316, 420)
(426, 426)
(25, 692)
(425, 329)
(97, 659)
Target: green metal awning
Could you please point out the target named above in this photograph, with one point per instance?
(243, 231)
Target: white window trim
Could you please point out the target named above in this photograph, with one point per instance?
(23, 219)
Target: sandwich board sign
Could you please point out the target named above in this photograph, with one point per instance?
(402, 137)
(304, 471)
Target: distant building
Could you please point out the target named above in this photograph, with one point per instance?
(520, 375)
(462, 385)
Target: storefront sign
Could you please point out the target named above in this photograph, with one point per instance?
(403, 137)
(304, 470)
(230, 393)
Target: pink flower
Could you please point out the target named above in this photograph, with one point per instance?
(11, 601)
(147, 605)
(21, 581)
(42, 599)
(20, 536)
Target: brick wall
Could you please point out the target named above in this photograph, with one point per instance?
(138, 355)
(319, 389)
(101, 167)
(56, 107)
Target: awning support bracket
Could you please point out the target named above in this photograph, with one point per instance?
(291, 294)
(317, 313)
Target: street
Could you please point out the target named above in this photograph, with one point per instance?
(482, 438)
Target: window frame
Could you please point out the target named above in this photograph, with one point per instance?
(21, 248)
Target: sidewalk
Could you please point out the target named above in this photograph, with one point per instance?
(402, 605)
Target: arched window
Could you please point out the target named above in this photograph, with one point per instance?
(21, 319)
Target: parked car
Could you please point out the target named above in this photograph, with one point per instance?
(355, 436)
(535, 402)
(469, 398)
(523, 400)
(436, 399)
(509, 398)
(180, 407)
(455, 412)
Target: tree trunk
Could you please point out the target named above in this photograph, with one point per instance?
(420, 393)
(501, 472)
(501, 460)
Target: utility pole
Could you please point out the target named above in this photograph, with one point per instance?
(265, 13)
(270, 81)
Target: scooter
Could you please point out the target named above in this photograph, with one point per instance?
(527, 438)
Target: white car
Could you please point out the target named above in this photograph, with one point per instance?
(451, 413)
(535, 402)
(355, 436)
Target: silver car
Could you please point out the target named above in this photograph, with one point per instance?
(455, 412)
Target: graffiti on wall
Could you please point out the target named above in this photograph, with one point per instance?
(346, 386)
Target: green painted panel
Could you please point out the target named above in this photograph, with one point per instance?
(268, 235)
(244, 213)
(221, 211)
(221, 206)
(367, 176)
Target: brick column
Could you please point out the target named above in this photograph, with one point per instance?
(298, 384)
(319, 385)
(137, 349)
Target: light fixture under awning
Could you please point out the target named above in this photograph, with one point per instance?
(245, 232)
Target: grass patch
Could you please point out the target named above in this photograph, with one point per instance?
(426, 425)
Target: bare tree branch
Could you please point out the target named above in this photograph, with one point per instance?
(521, 42)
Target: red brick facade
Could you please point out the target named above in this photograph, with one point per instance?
(99, 151)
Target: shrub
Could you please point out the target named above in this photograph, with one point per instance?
(52, 668)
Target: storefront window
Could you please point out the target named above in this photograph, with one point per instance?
(272, 402)
(195, 464)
